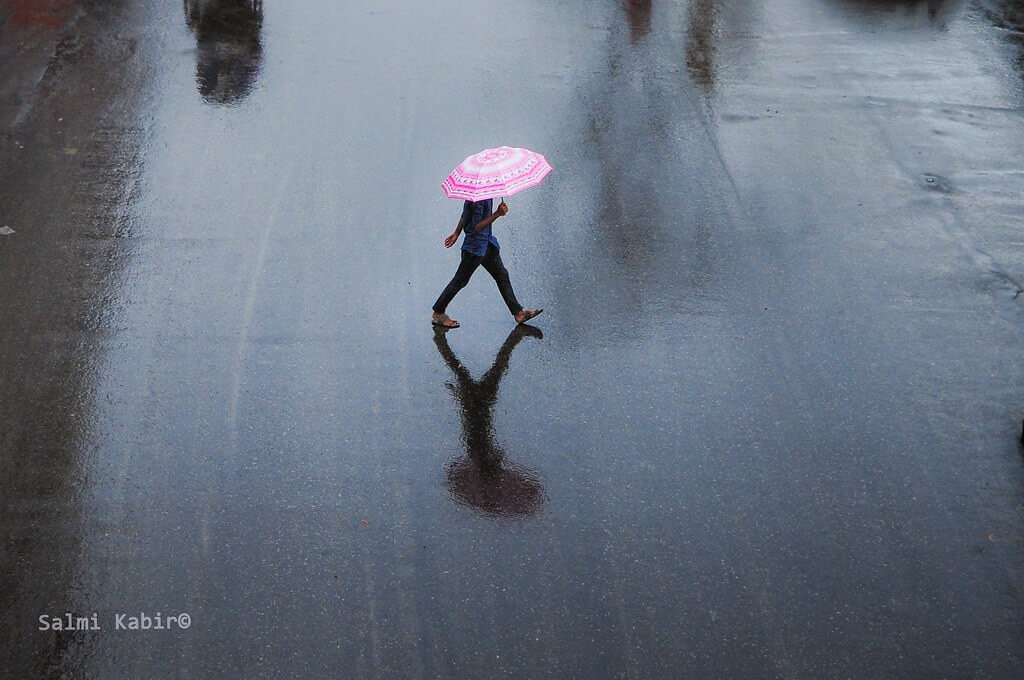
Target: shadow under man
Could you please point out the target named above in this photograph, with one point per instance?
(484, 479)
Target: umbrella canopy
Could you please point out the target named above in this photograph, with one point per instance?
(503, 171)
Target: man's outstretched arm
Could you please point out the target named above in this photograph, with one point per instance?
(451, 238)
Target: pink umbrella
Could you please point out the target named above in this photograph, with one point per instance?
(496, 173)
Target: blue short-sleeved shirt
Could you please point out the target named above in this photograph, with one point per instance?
(475, 241)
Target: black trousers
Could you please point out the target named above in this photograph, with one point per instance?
(491, 261)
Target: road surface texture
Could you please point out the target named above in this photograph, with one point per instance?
(767, 426)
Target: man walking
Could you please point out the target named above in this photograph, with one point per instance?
(479, 247)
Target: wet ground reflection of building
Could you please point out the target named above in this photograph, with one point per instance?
(484, 479)
(903, 12)
(700, 43)
(228, 47)
(639, 14)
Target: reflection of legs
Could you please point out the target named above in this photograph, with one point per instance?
(485, 390)
(493, 376)
(494, 266)
(466, 268)
(460, 371)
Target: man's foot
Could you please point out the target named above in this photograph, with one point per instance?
(443, 320)
(527, 314)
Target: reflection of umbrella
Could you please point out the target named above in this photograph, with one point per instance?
(496, 487)
(496, 172)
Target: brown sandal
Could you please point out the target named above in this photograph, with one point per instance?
(445, 322)
(530, 313)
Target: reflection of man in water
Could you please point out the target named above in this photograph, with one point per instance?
(228, 49)
(484, 480)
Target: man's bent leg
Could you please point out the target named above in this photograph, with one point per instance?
(462, 275)
(494, 266)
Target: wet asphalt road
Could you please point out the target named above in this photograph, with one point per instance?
(766, 427)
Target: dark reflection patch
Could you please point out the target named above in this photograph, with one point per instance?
(228, 47)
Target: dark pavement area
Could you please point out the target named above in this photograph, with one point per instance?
(767, 426)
